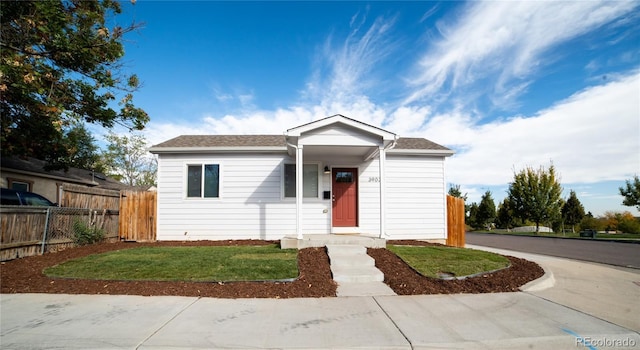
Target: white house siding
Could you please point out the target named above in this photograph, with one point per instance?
(369, 197)
(415, 197)
(250, 206)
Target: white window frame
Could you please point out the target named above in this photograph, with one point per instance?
(11, 181)
(319, 185)
(202, 165)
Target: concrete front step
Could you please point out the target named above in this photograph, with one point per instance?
(345, 249)
(356, 274)
(321, 240)
(352, 261)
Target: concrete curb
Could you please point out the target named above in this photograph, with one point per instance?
(545, 282)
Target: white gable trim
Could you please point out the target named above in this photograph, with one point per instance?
(297, 131)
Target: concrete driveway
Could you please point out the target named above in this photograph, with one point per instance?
(555, 313)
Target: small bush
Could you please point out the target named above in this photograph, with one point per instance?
(84, 234)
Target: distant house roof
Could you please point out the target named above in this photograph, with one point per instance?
(34, 166)
(270, 141)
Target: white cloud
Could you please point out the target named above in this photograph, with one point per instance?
(344, 70)
(592, 136)
(504, 42)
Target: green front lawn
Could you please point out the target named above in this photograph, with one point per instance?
(433, 261)
(227, 263)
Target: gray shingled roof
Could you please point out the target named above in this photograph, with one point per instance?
(418, 143)
(73, 175)
(204, 141)
(225, 141)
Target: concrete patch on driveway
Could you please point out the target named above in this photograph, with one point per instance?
(496, 321)
(325, 323)
(59, 321)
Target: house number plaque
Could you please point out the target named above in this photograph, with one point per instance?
(374, 179)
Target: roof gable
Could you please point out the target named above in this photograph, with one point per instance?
(340, 119)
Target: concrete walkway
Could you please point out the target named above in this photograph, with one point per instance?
(355, 271)
(554, 314)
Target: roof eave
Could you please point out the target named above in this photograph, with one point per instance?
(52, 177)
(426, 152)
(241, 149)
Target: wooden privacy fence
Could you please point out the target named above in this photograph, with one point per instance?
(138, 216)
(455, 222)
(27, 231)
(76, 196)
(124, 215)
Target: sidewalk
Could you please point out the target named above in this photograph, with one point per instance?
(607, 292)
(528, 320)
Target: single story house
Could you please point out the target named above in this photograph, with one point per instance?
(30, 174)
(332, 176)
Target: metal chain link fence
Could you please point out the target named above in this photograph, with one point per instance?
(63, 226)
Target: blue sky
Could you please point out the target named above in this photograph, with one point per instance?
(505, 84)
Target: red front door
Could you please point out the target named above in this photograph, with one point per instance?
(345, 197)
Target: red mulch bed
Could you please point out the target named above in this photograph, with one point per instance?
(25, 276)
(404, 280)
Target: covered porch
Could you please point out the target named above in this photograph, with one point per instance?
(351, 156)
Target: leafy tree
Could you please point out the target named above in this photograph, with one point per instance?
(454, 190)
(486, 211)
(628, 224)
(505, 217)
(473, 216)
(631, 193)
(60, 63)
(127, 159)
(572, 211)
(590, 222)
(616, 221)
(535, 195)
(82, 150)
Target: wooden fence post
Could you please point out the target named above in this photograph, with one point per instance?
(455, 222)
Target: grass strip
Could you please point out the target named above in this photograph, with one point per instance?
(226, 263)
(435, 261)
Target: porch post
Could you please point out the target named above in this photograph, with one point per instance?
(299, 190)
(382, 156)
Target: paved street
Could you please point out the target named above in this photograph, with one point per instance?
(612, 253)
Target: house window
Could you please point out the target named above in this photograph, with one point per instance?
(203, 181)
(309, 181)
(19, 185)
